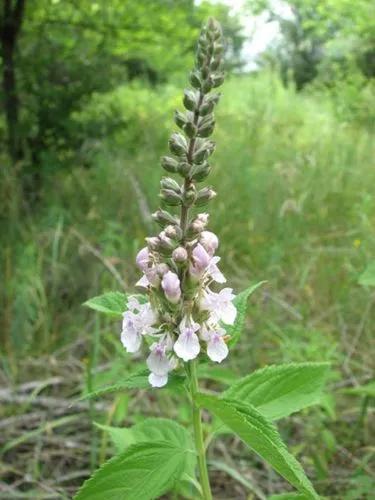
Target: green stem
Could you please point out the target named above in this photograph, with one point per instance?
(198, 434)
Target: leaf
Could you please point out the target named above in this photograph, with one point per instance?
(111, 303)
(150, 430)
(278, 391)
(362, 390)
(137, 380)
(149, 468)
(261, 436)
(241, 305)
(367, 278)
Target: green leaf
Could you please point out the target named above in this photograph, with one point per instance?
(151, 429)
(362, 390)
(367, 278)
(278, 391)
(137, 380)
(110, 303)
(241, 305)
(145, 470)
(261, 436)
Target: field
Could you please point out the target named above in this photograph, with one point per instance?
(295, 180)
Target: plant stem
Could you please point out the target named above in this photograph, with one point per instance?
(198, 434)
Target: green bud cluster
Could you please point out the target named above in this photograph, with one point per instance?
(191, 147)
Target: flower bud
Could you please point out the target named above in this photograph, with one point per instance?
(201, 172)
(142, 259)
(180, 118)
(169, 183)
(218, 49)
(164, 218)
(209, 241)
(170, 197)
(178, 144)
(215, 64)
(202, 149)
(217, 79)
(190, 129)
(173, 232)
(203, 218)
(162, 269)
(206, 129)
(171, 286)
(184, 169)
(195, 79)
(190, 196)
(201, 58)
(169, 164)
(152, 243)
(165, 243)
(190, 99)
(204, 196)
(208, 104)
(207, 86)
(179, 255)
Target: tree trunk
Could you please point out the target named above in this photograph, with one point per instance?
(10, 26)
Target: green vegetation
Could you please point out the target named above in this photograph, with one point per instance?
(295, 177)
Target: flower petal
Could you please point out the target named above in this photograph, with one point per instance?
(217, 349)
(187, 345)
(228, 313)
(143, 282)
(158, 362)
(157, 380)
(131, 340)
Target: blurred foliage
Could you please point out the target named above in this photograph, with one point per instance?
(67, 50)
(320, 38)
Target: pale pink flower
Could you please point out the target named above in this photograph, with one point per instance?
(137, 321)
(209, 241)
(220, 305)
(217, 349)
(143, 259)
(205, 263)
(160, 364)
(187, 345)
(171, 286)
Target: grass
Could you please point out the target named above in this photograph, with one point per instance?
(295, 206)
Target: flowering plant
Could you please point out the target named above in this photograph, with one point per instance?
(186, 314)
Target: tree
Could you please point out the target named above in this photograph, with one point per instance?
(11, 19)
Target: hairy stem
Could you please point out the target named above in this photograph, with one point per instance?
(198, 434)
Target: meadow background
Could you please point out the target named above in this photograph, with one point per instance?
(89, 90)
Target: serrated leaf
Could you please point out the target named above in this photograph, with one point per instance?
(150, 430)
(279, 390)
(149, 469)
(137, 380)
(261, 436)
(110, 303)
(367, 278)
(240, 302)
